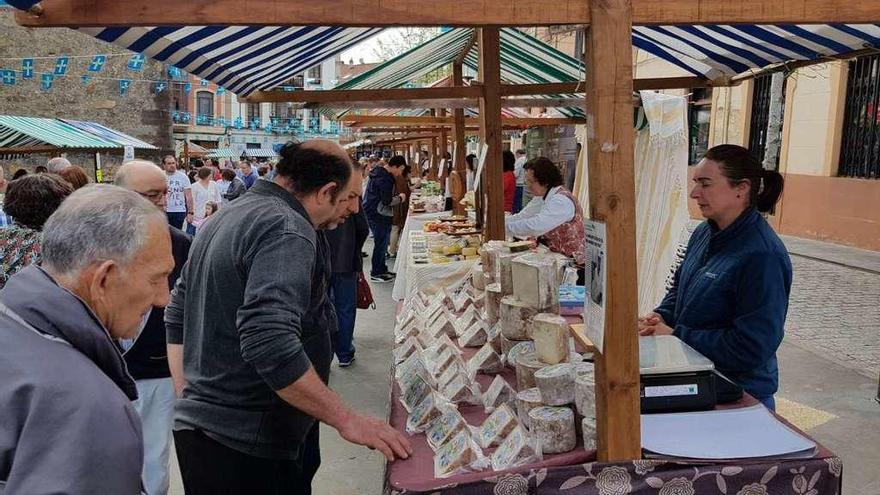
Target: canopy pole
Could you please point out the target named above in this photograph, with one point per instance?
(610, 144)
(491, 187)
(460, 147)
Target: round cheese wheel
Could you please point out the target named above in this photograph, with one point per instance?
(556, 384)
(554, 429)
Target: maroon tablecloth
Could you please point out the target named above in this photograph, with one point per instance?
(572, 472)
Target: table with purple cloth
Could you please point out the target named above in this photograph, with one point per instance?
(577, 472)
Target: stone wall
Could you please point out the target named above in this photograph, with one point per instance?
(139, 113)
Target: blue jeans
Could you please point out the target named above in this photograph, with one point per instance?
(517, 199)
(769, 402)
(343, 293)
(175, 219)
(381, 238)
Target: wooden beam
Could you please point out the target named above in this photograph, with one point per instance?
(360, 95)
(459, 130)
(453, 103)
(437, 97)
(96, 13)
(610, 144)
(475, 13)
(575, 87)
(459, 59)
(360, 120)
(491, 187)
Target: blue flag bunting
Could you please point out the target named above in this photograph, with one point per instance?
(203, 82)
(160, 86)
(97, 64)
(221, 90)
(221, 121)
(173, 72)
(136, 62)
(8, 77)
(187, 87)
(27, 68)
(123, 86)
(86, 79)
(46, 80)
(61, 66)
(239, 124)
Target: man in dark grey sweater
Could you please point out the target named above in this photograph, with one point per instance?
(251, 306)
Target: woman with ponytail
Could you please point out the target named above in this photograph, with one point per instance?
(730, 294)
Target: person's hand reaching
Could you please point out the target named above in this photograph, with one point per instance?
(377, 435)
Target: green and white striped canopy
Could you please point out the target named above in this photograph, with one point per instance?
(32, 132)
(524, 60)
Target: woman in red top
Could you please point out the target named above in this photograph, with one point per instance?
(508, 178)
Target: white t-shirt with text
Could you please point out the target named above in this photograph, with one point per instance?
(178, 182)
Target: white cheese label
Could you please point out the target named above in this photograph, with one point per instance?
(671, 390)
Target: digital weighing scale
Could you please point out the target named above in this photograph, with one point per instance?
(674, 376)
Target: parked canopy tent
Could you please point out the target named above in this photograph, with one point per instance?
(37, 134)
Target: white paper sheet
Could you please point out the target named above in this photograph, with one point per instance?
(749, 432)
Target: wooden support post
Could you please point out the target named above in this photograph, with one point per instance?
(491, 187)
(612, 200)
(460, 147)
(435, 163)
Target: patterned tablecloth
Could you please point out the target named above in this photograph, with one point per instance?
(429, 277)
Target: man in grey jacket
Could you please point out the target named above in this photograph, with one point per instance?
(68, 425)
(252, 315)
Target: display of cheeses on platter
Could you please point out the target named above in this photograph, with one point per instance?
(516, 450)
(486, 360)
(459, 454)
(500, 392)
(526, 400)
(535, 280)
(553, 428)
(556, 383)
(476, 335)
(497, 426)
(516, 318)
(588, 432)
(447, 425)
(550, 333)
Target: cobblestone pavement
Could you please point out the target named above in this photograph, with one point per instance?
(835, 311)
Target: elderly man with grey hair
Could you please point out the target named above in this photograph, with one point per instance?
(65, 397)
(147, 358)
(57, 164)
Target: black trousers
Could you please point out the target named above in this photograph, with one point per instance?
(211, 468)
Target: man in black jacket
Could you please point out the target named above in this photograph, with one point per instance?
(146, 359)
(379, 203)
(346, 261)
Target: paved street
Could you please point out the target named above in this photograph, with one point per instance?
(834, 312)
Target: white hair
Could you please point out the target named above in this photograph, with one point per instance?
(125, 170)
(94, 224)
(57, 164)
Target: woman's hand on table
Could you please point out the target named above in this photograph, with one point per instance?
(653, 324)
(376, 435)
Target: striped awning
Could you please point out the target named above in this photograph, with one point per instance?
(110, 134)
(524, 60)
(715, 51)
(34, 132)
(242, 59)
(260, 153)
(224, 153)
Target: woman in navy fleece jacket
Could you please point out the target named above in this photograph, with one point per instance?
(730, 294)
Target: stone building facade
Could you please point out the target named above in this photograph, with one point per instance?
(140, 113)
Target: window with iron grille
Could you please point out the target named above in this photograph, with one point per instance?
(253, 112)
(860, 147)
(761, 100)
(699, 117)
(205, 104)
